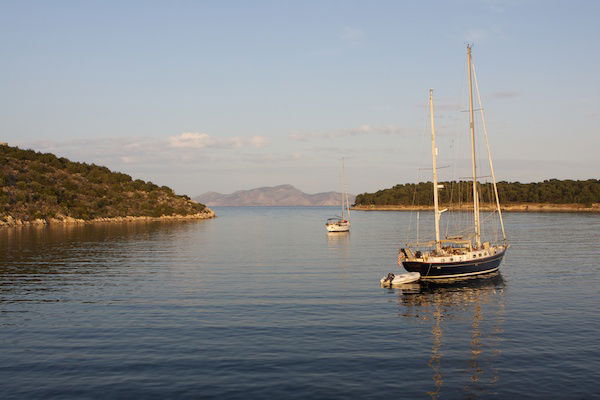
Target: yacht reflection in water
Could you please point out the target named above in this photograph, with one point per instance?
(466, 321)
(334, 238)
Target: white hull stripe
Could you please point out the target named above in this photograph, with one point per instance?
(452, 264)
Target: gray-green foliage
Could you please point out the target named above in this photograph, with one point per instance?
(41, 185)
(552, 191)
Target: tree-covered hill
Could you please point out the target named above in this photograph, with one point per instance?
(551, 191)
(37, 185)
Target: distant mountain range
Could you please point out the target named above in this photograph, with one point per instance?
(282, 195)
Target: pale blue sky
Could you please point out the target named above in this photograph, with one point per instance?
(227, 95)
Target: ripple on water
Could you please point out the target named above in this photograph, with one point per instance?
(245, 307)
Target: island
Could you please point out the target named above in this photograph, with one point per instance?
(41, 188)
(551, 195)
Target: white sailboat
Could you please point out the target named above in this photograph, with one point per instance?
(458, 255)
(341, 223)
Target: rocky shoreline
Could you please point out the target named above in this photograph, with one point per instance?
(521, 207)
(10, 221)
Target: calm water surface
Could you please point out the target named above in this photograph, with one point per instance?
(262, 303)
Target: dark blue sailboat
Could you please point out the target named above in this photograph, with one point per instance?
(458, 256)
(446, 265)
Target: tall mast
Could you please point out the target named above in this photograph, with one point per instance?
(434, 152)
(342, 186)
(345, 190)
(473, 160)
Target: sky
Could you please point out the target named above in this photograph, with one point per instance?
(231, 95)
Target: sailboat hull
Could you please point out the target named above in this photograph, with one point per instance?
(455, 269)
(338, 227)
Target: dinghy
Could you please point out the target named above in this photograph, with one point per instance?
(400, 279)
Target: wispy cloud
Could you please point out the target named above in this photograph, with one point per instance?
(96, 146)
(362, 130)
(277, 158)
(186, 147)
(128, 159)
(508, 94)
(479, 35)
(475, 35)
(258, 141)
(192, 140)
(352, 36)
(502, 6)
(442, 106)
(110, 151)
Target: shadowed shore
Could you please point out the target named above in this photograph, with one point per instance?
(9, 222)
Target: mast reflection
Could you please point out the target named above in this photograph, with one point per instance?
(479, 302)
(338, 245)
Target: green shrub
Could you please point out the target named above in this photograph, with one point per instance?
(38, 185)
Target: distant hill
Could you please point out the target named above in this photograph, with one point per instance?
(42, 187)
(282, 195)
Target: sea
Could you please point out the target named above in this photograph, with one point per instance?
(262, 303)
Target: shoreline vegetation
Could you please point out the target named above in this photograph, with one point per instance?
(517, 207)
(551, 195)
(41, 188)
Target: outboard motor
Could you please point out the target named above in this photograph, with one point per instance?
(389, 278)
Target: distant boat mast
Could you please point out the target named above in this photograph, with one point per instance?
(345, 201)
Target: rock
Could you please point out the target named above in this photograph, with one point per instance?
(61, 219)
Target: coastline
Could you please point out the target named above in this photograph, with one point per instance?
(11, 222)
(520, 207)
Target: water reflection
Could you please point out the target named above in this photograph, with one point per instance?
(338, 245)
(53, 242)
(36, 261)
(338, 239)
(467, 316)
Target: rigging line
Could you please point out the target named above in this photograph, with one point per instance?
(449, 205)
(420, 152)
(412, 213)
(418, 223)
(470, 178)
(490, 215)
(487, 143)
(450, 197)
(458, 219)
(451, 218)
(431, 169)
(494, 226)
(342, 187)
(465, 232)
